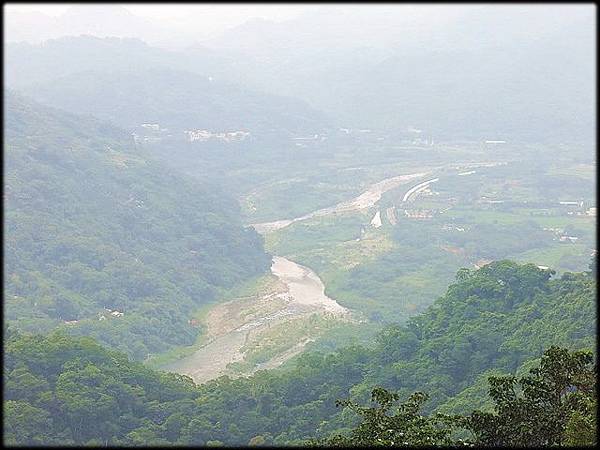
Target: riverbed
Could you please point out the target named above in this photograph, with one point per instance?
(302, 293)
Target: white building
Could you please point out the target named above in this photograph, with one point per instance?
(376, 220)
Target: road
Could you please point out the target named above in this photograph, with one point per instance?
(419, 187)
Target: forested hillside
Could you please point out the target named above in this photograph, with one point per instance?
(176, 100)
(495, 320)
(94, 226)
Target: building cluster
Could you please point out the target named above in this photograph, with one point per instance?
(301, 141)
(578, 208)
(224, 136)
(483, 262)
(350, 130)
(571, 239)
(452, 227)
(149, 133)
(421, 214)
(113, 313)
(151, 126)
(489, 201)
(561, 236)
(428, 142)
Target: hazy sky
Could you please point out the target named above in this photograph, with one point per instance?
(183, 24)
(209, 17)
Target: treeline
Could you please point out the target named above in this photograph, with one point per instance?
(495, 321)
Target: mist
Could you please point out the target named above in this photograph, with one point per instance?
(300, 224)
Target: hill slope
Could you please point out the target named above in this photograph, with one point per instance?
(129, 82)
(93, 223)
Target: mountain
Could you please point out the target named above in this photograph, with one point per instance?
(456, 77)
(129, 82)
(176, 100)
(93, 224)
(335, 27)
(453, 73)
(38, 63)
(471, 94)
(91, 19)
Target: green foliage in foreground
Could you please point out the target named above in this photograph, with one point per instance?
(406, 427)
(554, 405)
(66, 390)
(63, 390)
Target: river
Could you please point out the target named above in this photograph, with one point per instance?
(304, 293)
(365, 200)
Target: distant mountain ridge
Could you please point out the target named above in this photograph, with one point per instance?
(129, 83)
(99, 20)
(523, 72)
(177, 100)
(520, 73)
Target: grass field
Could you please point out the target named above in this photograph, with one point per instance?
(561, 257)
(585, 171)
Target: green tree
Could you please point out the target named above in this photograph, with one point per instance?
(25, 424)
(406, 427)
(553, 405)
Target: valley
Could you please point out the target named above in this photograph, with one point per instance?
(410, 252)
(299, 226)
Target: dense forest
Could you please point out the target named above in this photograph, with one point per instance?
(93, 226)
(495, 322)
